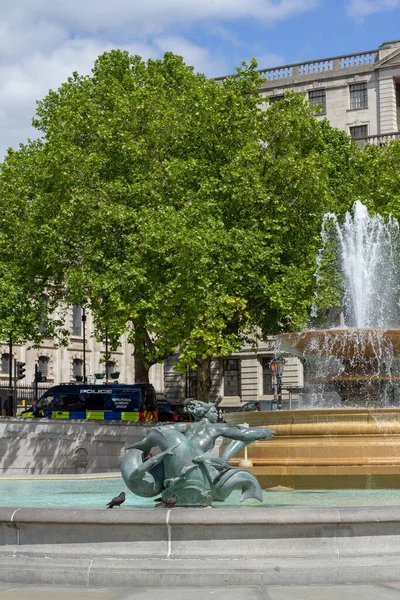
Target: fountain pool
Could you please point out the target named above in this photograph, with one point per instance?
(94, 493)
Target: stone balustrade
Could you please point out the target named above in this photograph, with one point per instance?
(378, 140)
(322, 65)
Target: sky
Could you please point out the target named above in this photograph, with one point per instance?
(43, 41)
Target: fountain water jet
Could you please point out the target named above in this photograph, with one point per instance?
(359, 360)
(353, 440)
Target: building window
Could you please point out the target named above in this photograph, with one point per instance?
(318, 98)
(77, 367)
(43, 365)
(5, 364)
(44, 317)
(191, 383)
(268, 377)
(232, 385)
(358, 95)
(277, 98)
(110, 366)
(359, 132)
(77, 320)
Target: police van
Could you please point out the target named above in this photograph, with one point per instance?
(108, 402)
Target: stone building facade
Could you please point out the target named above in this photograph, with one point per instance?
(360, 94)
(241, 377)
(64, 364)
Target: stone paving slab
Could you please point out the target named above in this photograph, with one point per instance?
(228, 593)
(29, 593)
(378, 591)
(392, 584)
(331, 592)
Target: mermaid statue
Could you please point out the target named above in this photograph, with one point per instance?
(175, 460)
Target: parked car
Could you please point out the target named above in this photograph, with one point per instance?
(172, 412)
(251, 406)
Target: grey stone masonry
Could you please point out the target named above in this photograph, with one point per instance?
(199, 547)
(53, 446)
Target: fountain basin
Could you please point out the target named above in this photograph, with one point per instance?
(199, 547)
(341, 343)
(326, 449)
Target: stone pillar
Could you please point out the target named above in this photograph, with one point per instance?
(387, 105)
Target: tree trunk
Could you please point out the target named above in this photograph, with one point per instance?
(203, 379)
(141, 368)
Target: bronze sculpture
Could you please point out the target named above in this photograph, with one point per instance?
(183, 465)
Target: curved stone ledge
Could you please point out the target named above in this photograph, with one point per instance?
(199, 547)
(52, 446)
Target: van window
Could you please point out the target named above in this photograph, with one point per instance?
(46, 402)
(149, 399)
(72, 402)
(95, 402)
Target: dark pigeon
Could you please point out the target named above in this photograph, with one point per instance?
(169, 502)
(117, 501)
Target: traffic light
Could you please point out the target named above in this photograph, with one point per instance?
(20, 370)
(38, 376)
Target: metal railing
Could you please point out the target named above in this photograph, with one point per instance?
(24, 394)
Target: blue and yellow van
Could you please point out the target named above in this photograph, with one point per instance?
(108, 402)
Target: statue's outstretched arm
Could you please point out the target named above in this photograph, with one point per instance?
(246, 434)
(242, 437)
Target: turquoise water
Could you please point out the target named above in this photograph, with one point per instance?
(96, 493)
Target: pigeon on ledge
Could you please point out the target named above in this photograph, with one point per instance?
(169, 502)
(117, 501)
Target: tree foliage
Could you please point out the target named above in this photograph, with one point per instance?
(175, 206)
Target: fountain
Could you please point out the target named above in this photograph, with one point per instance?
(360, 360)
(347, 434)
(311, 535)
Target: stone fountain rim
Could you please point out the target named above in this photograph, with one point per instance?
(198, 547)
(195, 516)
(339, 330)
(297, 342)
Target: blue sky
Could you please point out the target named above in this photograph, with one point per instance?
(43, 41)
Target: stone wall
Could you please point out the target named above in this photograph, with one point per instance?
(44, 446)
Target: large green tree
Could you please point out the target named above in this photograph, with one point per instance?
(27, 312)
(176, 206)
(124, 213)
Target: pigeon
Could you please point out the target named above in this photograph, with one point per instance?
(169, 502)
(117, 501)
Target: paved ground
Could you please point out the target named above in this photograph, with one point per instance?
(373, 591)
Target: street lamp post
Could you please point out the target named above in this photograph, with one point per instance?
(277, 368)
(106, 332)
(84, 343)
(10, 396)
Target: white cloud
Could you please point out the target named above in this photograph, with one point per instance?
(358, 9)
(148, 16)
(42, 42)
(30, 78)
